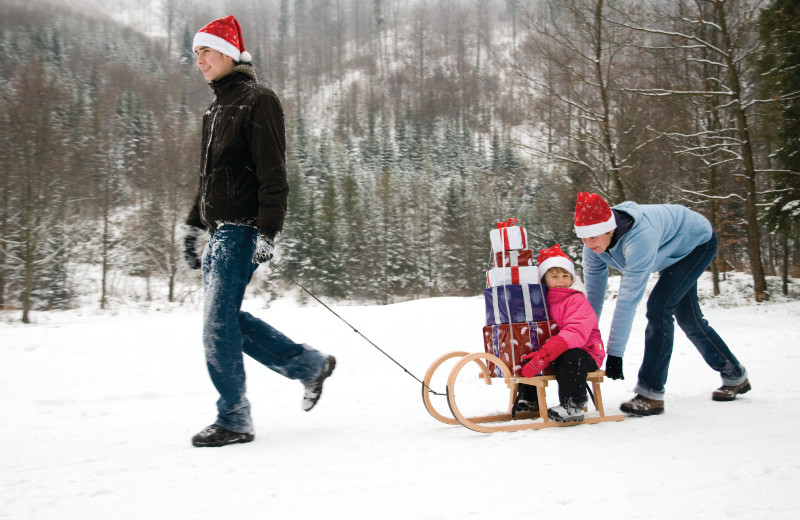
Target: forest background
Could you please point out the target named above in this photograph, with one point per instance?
(412, 126)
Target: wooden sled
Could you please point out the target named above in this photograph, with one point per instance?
(478, 423)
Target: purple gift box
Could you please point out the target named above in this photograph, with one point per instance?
(515, 303)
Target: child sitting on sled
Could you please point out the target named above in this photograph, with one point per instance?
(577, 349)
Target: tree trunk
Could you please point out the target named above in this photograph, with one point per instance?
(608, 140)
(785, 266)
(27, 287)
(751, 201)
(713, 219)
(104, 275)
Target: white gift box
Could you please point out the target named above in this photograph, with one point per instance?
(508, 237)
(512, 275)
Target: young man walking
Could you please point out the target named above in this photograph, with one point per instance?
(241, 202)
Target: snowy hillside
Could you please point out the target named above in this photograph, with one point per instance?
(98, 409)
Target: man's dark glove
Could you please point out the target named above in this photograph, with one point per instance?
(614, 367)
(264, 250)
(191, 234)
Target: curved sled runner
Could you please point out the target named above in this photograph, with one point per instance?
(478, 424)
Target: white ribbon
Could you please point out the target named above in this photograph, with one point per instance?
(496, 305)
(526, 298)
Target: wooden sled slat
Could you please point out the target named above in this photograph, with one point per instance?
(426, 389)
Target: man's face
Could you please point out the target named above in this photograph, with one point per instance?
(213, 64)
(599, 243)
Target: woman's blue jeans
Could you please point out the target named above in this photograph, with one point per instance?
(675, 294)
(228, 331)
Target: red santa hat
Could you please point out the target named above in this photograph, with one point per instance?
(223, 35)
(593, 216)
(554, 257)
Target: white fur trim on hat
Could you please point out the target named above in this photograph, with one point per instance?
(556, 261)
(204, 39)
(594, 230)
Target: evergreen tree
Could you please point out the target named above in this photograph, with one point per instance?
(355, 242)
(296, 239)
(778, 28)
(187, 56)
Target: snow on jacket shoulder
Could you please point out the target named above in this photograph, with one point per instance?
(577, 321)
(662, 234)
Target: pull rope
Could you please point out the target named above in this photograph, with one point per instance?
(284, 273)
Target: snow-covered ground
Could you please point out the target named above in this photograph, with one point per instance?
(98, 408)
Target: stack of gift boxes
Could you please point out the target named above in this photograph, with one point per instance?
(516, 317)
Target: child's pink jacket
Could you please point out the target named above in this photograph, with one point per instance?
(577, 322)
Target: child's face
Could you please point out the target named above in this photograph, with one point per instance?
(553, 279)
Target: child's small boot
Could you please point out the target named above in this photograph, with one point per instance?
(566, 412)
(527, 400)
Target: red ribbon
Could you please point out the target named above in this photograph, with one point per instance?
(508, 223)
(503, 227)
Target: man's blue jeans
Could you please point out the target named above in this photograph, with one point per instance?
(675, 294)
(228, 331)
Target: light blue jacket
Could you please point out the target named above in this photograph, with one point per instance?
(662, 234)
